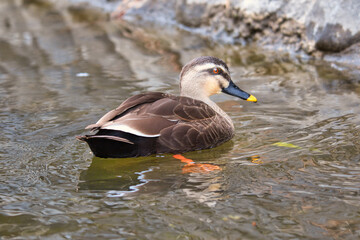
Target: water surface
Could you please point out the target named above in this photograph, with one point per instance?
(291, 172)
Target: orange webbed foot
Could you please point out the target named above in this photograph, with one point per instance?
(192, 167)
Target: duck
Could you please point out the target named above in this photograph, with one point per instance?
(157, 123)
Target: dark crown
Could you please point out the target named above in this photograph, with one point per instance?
(202, 60)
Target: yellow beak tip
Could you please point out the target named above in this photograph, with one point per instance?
(251, 99)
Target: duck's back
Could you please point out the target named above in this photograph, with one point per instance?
(155, 122)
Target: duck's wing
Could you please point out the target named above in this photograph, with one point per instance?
(130, 103)
(149, 113)
(200, 128)
(190, 110)
(190, 136)
(148, 119)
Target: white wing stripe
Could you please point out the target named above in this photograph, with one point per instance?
(128, 129)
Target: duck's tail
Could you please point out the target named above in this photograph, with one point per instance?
(115, 144)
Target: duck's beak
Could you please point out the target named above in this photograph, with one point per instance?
(234, 90)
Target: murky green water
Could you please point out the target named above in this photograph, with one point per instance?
(291, 172)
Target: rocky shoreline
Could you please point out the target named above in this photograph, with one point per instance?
(317, 28)
(320, 29)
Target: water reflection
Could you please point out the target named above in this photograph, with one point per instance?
(127, 176)
(115, 174)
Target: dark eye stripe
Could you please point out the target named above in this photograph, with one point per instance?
(221, 72)
(226, 76)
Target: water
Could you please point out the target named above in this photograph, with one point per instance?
(291, 172)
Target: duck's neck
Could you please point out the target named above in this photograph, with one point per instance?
(213, 105)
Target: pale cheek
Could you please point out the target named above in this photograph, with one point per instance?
(213, 89)
(218, 90)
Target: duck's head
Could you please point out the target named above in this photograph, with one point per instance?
(206, 76)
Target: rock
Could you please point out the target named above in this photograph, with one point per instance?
(333, 38)
(334, 25)
(190, 15)
(291, 28)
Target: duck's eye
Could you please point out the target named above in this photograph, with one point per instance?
(215, 70)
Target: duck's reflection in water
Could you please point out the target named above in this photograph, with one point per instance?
(198, 178)
(116, 174)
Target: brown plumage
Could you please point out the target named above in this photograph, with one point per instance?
(155, 122)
